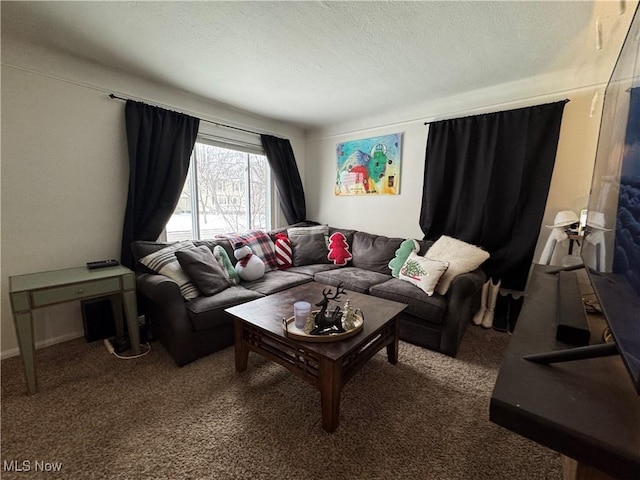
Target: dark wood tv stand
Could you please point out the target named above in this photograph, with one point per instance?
(586, 410)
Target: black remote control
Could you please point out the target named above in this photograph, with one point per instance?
(102, 264)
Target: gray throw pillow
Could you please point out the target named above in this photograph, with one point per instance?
(203, 270)
(309, 249)
(309, 244)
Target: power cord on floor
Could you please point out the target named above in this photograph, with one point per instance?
(110, 349)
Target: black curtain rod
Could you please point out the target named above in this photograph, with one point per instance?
(111, 95)
(566, 100)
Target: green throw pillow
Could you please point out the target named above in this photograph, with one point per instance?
(221, 256)
(402, 253)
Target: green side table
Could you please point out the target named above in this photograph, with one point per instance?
(35, 290)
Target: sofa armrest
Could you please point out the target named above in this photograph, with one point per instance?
(466, 284)
(463, 300)
(167, 313)
(158, 288)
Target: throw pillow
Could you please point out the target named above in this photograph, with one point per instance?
(462, 257)
(309, 244)
(249, 266)
(165, 262)
(308, 230)
(338, 249)
(402, 253)
(261, 245)
(203, 270)
(423, 272)
(284, 251)
(221, 256)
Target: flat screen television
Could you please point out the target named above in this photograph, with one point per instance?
(611, 247)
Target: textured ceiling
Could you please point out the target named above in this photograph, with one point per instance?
(316, 63)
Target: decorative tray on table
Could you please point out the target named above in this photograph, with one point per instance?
(301, 334)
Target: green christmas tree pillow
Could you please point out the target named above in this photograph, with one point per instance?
(406, 247)
(423, 272)
(223, 260)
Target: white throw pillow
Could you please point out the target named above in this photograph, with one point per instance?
(166, 263)
(461, 256)
(423, 272)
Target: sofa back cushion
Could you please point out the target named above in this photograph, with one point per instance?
(141, 248)
(424, 246)
(373, 252)
(348, 234)
(211, 243)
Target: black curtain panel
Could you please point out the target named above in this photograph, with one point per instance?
(486, 181)
(288, 182)
(160, 144)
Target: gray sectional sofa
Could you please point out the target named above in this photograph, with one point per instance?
(190, 329)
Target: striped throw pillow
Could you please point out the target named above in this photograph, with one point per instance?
(166, 263)
(284, 252)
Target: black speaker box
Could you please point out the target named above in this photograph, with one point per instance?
(97, 317)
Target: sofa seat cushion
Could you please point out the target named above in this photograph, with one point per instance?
(352, 278)
(276, 281)
(429, 308)
(208, 312)
(311, 270)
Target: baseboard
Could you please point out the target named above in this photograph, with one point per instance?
(14, 352)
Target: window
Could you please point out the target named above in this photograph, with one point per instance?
(226, 190)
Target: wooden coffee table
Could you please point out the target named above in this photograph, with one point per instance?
(327, 365)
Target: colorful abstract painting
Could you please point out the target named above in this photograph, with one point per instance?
(370, 166)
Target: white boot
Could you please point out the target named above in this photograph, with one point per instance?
(477, 318)
(492, 297)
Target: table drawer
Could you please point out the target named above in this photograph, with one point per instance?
(50, 296)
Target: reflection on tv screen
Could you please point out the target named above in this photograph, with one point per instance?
(626, 257)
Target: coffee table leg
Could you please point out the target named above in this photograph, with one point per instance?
(241, 350)
(392, 348)
(330, 389)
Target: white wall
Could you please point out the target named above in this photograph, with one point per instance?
(398, 216)
(65, 169)
(391, 215)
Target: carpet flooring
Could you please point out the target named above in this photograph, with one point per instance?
(97, 417)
